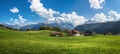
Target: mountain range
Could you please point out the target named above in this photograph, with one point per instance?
(37, 26)
(104, 27)
(113, 27)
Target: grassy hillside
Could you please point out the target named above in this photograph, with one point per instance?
(39, 42)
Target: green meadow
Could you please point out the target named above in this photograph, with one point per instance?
(39, 42)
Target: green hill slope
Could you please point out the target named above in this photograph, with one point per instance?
(39, 42)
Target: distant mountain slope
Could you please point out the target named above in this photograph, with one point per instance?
(3, 26)
(113, 27)
(37, 26)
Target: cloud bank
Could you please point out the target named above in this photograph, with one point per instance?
(73, 18)
(55, 16)
(101, 17)
(20, 21)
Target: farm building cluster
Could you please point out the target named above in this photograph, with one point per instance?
(72, 33)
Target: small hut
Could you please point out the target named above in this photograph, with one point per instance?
(57, 34)
(73, 33)
(88, 33)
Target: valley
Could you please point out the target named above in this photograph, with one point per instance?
(40, 42)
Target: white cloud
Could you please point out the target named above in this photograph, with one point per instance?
(14, 10)
(73, 18)
(96, 4)
(50, 14)
(37, 7)
(20, 21)
(113, 16)
(99, 17)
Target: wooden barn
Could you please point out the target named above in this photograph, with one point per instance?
(73, 33)
(57, 34)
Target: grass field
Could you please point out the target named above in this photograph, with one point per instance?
(39, 42)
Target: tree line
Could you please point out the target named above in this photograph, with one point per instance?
(52, 28)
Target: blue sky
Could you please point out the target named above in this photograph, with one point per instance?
(82, 9)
